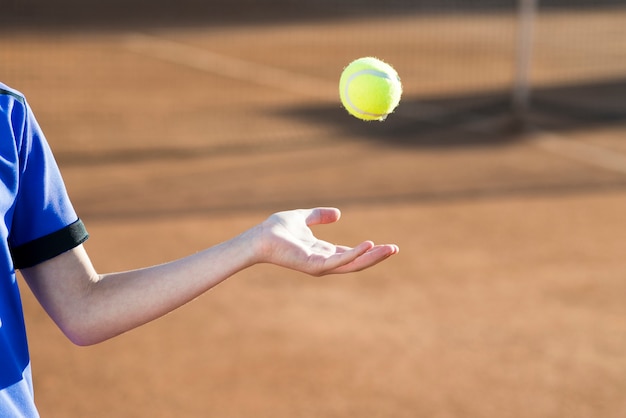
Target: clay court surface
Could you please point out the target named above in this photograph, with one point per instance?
(507, 298)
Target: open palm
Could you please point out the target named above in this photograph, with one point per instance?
(289, 242)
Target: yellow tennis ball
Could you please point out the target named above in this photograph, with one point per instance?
(370, 89)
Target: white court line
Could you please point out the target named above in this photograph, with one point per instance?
(582, 152)
(235, 68)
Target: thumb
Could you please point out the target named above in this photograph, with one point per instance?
(319, 216)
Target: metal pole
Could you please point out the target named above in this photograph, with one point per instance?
(521, 82)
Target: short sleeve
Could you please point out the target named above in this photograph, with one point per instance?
(44, 222)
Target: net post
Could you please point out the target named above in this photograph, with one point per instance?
(527, 10)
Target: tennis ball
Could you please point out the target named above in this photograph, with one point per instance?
(370, 89)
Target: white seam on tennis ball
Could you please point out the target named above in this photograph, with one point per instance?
(368, 71)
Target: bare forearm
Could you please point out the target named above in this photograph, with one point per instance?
(91, 311)
(129, 299)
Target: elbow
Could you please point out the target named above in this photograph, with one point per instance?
(81, 334)
(82, 329)
(82, 340)
(81, 320)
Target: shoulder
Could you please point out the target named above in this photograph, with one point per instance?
(14, 110)
(11, 94)
(14, 119)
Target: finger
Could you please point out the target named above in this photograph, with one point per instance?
(320, 216)
(339, 249)
(346, 256)
(370, 258)
(373, 257)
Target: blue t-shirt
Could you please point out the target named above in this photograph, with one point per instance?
(38, 223)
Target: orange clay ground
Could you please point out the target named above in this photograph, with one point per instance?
(507, 298)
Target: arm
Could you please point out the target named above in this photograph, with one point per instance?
(90, 308)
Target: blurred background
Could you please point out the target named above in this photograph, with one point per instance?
(502, 177)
